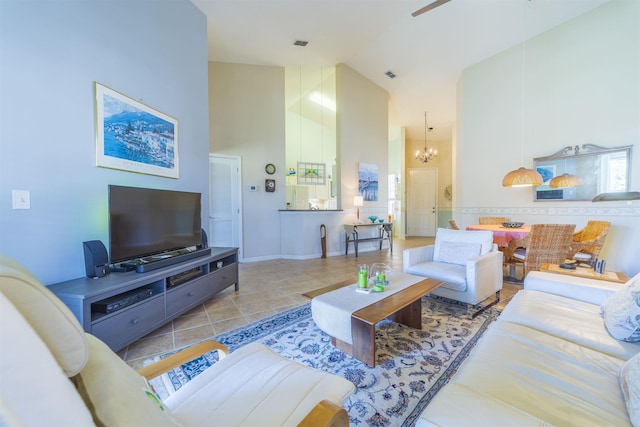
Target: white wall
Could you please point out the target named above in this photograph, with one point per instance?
(581, 86)
(247, 119)
(362, 137)
(52, 52)
(247, 105)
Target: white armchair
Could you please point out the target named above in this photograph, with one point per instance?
(44, 346)
(468, 262)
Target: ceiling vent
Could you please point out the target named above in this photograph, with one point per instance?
(390, 74)
(300, 43)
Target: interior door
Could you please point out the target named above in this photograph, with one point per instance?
(422, 217)
(224, 184)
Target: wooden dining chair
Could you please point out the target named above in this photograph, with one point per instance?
(492, 220)
(453, 225)
(550, 243)
(587, 243)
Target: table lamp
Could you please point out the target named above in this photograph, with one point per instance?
(358, 202)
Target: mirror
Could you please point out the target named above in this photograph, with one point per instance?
(600, 169)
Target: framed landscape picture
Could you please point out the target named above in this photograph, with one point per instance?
(134, 137)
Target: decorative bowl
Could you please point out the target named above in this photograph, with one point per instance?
(512, 224)
(381, 220)
(379, 271)
(373, 218)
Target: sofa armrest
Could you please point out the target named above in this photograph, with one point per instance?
(182, 357)
(593, 291)
(413, 256)
(326, 413)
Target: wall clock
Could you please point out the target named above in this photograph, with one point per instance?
(270, 169)
(270, 185)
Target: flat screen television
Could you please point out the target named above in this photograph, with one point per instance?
(145, 222)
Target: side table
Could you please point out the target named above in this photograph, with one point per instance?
(385, 232)
(588, 273)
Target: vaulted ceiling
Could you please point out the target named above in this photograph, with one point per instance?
(427, 53)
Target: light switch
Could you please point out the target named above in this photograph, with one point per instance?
(21, 199)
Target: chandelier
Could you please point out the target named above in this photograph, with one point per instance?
(429, 153)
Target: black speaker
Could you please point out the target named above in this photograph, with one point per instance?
(205, 243)
(96, 260)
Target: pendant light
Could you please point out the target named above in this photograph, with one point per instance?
(429, 153)
(565, 181)
(522, 177)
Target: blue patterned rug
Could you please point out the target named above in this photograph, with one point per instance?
(412, 365)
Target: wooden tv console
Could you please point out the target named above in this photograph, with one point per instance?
(121, 308)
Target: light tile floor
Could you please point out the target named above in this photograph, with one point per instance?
(266, 288)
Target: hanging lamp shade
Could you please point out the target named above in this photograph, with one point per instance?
(522, 178)
(617, 196)
(565, 181)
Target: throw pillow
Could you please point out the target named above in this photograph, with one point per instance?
(630, 385)
(621, 312)
(458, 252)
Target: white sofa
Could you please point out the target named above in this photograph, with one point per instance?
(551, 359)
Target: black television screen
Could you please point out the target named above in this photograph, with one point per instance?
(144, 221)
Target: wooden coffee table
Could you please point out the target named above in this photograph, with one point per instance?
(588, 273)
(404, 306)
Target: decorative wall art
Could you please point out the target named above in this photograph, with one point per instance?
(547, 173)
(312, 173)
(134, 137)
(368, 182)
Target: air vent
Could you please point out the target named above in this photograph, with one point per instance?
(300, 43)
(390, 74)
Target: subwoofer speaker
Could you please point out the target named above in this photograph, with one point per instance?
(96, 260)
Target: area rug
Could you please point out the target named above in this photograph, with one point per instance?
(412, 365)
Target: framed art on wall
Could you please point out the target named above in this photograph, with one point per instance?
(134, 137)
(310, 173)
(368, 182)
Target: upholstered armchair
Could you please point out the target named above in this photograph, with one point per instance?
(44, 347)
(467, 261)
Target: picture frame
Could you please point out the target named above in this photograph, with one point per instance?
(368, 181)
(311, 173)
(134, 137)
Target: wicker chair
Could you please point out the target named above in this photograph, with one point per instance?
(453, 225)
(492, 220)
(549, 243)
(587, 243)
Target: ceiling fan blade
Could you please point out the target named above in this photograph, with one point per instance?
(430, 6)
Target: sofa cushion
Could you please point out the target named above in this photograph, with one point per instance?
(454, 275)
(483, 237)
(48, 316)
(116, 394)
(253, 385)
(630, 385)
(569, 319)
(457, 252)
(560, 382)
(34, 391)
(621, 312)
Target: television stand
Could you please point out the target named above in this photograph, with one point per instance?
(139, 303)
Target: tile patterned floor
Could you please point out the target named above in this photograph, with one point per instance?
(266, 288)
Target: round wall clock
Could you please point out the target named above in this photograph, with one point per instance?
(270, 169)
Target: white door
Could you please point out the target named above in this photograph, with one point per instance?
(225, 201)
(422, 202)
